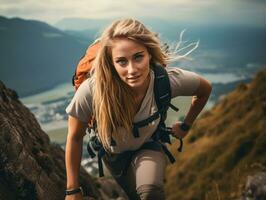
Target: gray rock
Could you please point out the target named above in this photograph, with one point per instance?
(255, 188)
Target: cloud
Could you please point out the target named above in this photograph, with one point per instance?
(200, 11)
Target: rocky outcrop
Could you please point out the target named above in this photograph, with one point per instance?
(255, 187)
(31, 167)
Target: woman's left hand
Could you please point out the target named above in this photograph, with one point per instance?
(177, 132)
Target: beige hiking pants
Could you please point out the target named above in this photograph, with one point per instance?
(145, 176)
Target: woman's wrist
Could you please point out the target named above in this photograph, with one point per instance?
(188, 121)
(72, 185)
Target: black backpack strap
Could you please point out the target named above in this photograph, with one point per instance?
(168, 153)
(95, 146)
(173, 107)
(145, 122)
(162, 89)
(162, 93)
(100, 154)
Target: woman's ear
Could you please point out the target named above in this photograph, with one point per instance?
(150, 56)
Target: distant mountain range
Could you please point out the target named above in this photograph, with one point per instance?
(223, 48)
(36, 56)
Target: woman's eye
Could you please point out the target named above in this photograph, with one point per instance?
(121, 62)
(138, 57)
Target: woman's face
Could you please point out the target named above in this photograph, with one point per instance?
(131, 61)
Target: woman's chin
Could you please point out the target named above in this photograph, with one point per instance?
(135, 85)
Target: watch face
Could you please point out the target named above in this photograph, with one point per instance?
(184, 127)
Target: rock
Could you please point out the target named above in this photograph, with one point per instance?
(255, 188)
(31, 167)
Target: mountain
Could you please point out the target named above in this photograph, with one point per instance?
(225, 149)
(35, 56)
(31, 167)
(222, 48)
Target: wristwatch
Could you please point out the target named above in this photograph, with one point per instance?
(74, 191)
(184, 127)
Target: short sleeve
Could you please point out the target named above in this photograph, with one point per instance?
(80, 106)
(183, 82)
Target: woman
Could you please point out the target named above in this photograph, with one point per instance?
(119, 93)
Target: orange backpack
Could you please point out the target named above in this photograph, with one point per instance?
(85, 64)
(84, 67)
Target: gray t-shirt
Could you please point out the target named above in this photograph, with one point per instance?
(182, 82)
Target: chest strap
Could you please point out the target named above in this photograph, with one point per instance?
(145, 122)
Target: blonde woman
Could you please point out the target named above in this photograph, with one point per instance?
(119, 93)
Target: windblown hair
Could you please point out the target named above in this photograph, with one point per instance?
(113, 101)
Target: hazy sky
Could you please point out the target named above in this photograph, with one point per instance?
(249, 12)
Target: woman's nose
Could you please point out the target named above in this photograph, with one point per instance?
(132, 69)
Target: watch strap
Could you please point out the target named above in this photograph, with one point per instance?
(74, 191)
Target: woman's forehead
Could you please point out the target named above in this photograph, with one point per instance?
(126, 47)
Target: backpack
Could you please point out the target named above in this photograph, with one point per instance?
(162, 92)
(85, 64)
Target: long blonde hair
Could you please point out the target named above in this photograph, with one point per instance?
(113, 101)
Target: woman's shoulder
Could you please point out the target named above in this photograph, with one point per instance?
(85, 88)
(180, 72)
(183, 82)
(176, 69)
(81, 104)
(84, 94)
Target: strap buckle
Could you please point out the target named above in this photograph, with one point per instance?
(169, 131)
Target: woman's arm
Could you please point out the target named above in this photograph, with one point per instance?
(73, 153)
(199, 100)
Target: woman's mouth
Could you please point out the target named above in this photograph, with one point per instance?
(132, 78)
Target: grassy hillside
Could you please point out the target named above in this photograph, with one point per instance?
(224, 146)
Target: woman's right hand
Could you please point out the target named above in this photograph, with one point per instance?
(77, 196)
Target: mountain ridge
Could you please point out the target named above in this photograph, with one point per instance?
(36, 56)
